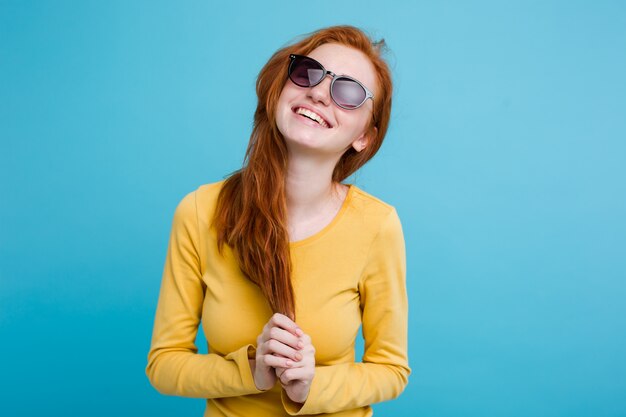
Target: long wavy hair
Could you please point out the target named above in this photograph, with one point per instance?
(251, 212)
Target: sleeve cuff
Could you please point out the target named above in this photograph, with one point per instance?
(240, 357)
(311, 405)
(292, 408)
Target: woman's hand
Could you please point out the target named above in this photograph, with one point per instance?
(296, 379)
(276, 347)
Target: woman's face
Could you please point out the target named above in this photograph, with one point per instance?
(342, 128)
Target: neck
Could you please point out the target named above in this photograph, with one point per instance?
(313, 199)
(309, 186)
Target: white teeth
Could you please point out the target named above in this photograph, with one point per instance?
(312, 115)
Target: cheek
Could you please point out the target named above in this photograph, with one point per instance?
(283, 112)
(287, 93)
(359, 125)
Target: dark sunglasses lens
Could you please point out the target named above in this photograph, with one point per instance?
(305, 72)
(348, 93)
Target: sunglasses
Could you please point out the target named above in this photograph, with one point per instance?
(345, 91)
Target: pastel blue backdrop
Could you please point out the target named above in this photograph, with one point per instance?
(506, 160)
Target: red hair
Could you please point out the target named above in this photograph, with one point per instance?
(251, 213)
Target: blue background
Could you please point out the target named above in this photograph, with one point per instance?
(506, 159)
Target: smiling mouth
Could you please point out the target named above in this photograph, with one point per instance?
(312, 115)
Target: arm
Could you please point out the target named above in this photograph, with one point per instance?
(174, 366)
(384, 371)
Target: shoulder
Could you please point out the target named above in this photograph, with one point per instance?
(207, 194)
(369, 199)
(369, 218)
(201, 200)
(370, 207)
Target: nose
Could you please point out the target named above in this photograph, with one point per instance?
(321, 92)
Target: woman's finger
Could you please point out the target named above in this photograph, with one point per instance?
(293, 374)
(284, 322)
(285, 337)
(276, 361)
(307, 357)
(279, 371)
(275, 347)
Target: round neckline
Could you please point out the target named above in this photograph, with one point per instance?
(330, 225)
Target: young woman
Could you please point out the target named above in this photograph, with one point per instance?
(282, 262)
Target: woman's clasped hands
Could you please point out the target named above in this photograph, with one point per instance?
(284, 353)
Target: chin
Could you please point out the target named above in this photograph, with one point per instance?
(302, 143)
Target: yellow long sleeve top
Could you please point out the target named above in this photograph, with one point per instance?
(349, 274)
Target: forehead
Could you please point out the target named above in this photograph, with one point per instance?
(344, 60)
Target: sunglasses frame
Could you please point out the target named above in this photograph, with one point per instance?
(335, 77)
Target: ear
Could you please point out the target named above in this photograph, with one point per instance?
(364, 140)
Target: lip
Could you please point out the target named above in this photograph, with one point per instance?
(314, 110)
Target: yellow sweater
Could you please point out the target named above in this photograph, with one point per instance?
(351, 273)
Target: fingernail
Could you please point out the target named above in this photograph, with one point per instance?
(299, 332)
(300, 344)
(288, 363)
(298, 357)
